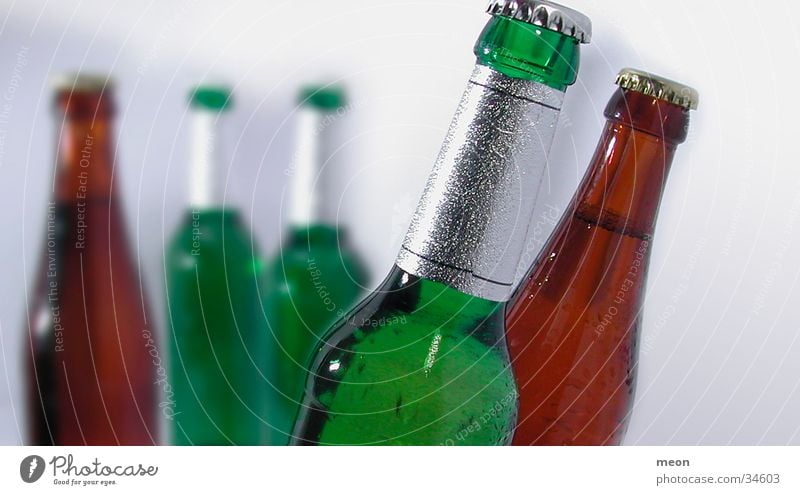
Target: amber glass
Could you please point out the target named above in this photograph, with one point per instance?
(92, 354)
(573, 325)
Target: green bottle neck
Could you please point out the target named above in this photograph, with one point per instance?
(524, 51)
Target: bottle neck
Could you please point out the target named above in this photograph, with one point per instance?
(309, 203)
(207, 179)
(470, 227)
(623, 186)
(521, 50)
(85, 147)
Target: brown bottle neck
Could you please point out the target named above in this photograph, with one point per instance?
(623, 186)
(85, 146)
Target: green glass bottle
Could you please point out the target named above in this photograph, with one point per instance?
(423, 360)
(316, 277)
(218, 334)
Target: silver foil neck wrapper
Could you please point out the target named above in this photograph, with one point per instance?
(471, 225)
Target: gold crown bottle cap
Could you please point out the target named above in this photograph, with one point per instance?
(658, 87)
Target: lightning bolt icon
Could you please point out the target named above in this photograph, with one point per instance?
(32, 467)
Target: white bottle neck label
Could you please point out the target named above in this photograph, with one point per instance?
(207, 178)
(310, 202)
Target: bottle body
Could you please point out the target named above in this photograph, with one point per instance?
(315, 279)
(416, 363)
(316, 276)
(576, 372)
(218, 336)
(573, 325)
(91, 373)
(423, 360)
(213, 269)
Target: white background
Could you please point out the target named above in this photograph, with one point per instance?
(720, 360)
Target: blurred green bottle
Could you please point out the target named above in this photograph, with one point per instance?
(423, 359)
(316, 276)
(218, 333)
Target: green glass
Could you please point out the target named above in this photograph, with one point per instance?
(218, 333)
(316, 276)
(523, 51)
(419, 362)
(313, 281)
(400, 370)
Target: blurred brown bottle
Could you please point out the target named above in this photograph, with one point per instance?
(573, 325)
(91, 354)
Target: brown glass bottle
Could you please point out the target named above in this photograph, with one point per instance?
(573, 325)
(91, 353)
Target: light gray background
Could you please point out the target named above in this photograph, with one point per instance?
(720, 358)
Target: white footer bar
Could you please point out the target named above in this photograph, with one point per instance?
(640, 470)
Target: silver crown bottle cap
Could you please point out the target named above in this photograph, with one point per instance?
(658, 87)
(548, 15)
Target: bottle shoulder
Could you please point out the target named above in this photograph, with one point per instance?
(304, 276)
(215, 229)
(332, 259)
(420, 307)
(213, 241)
(417, 356)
